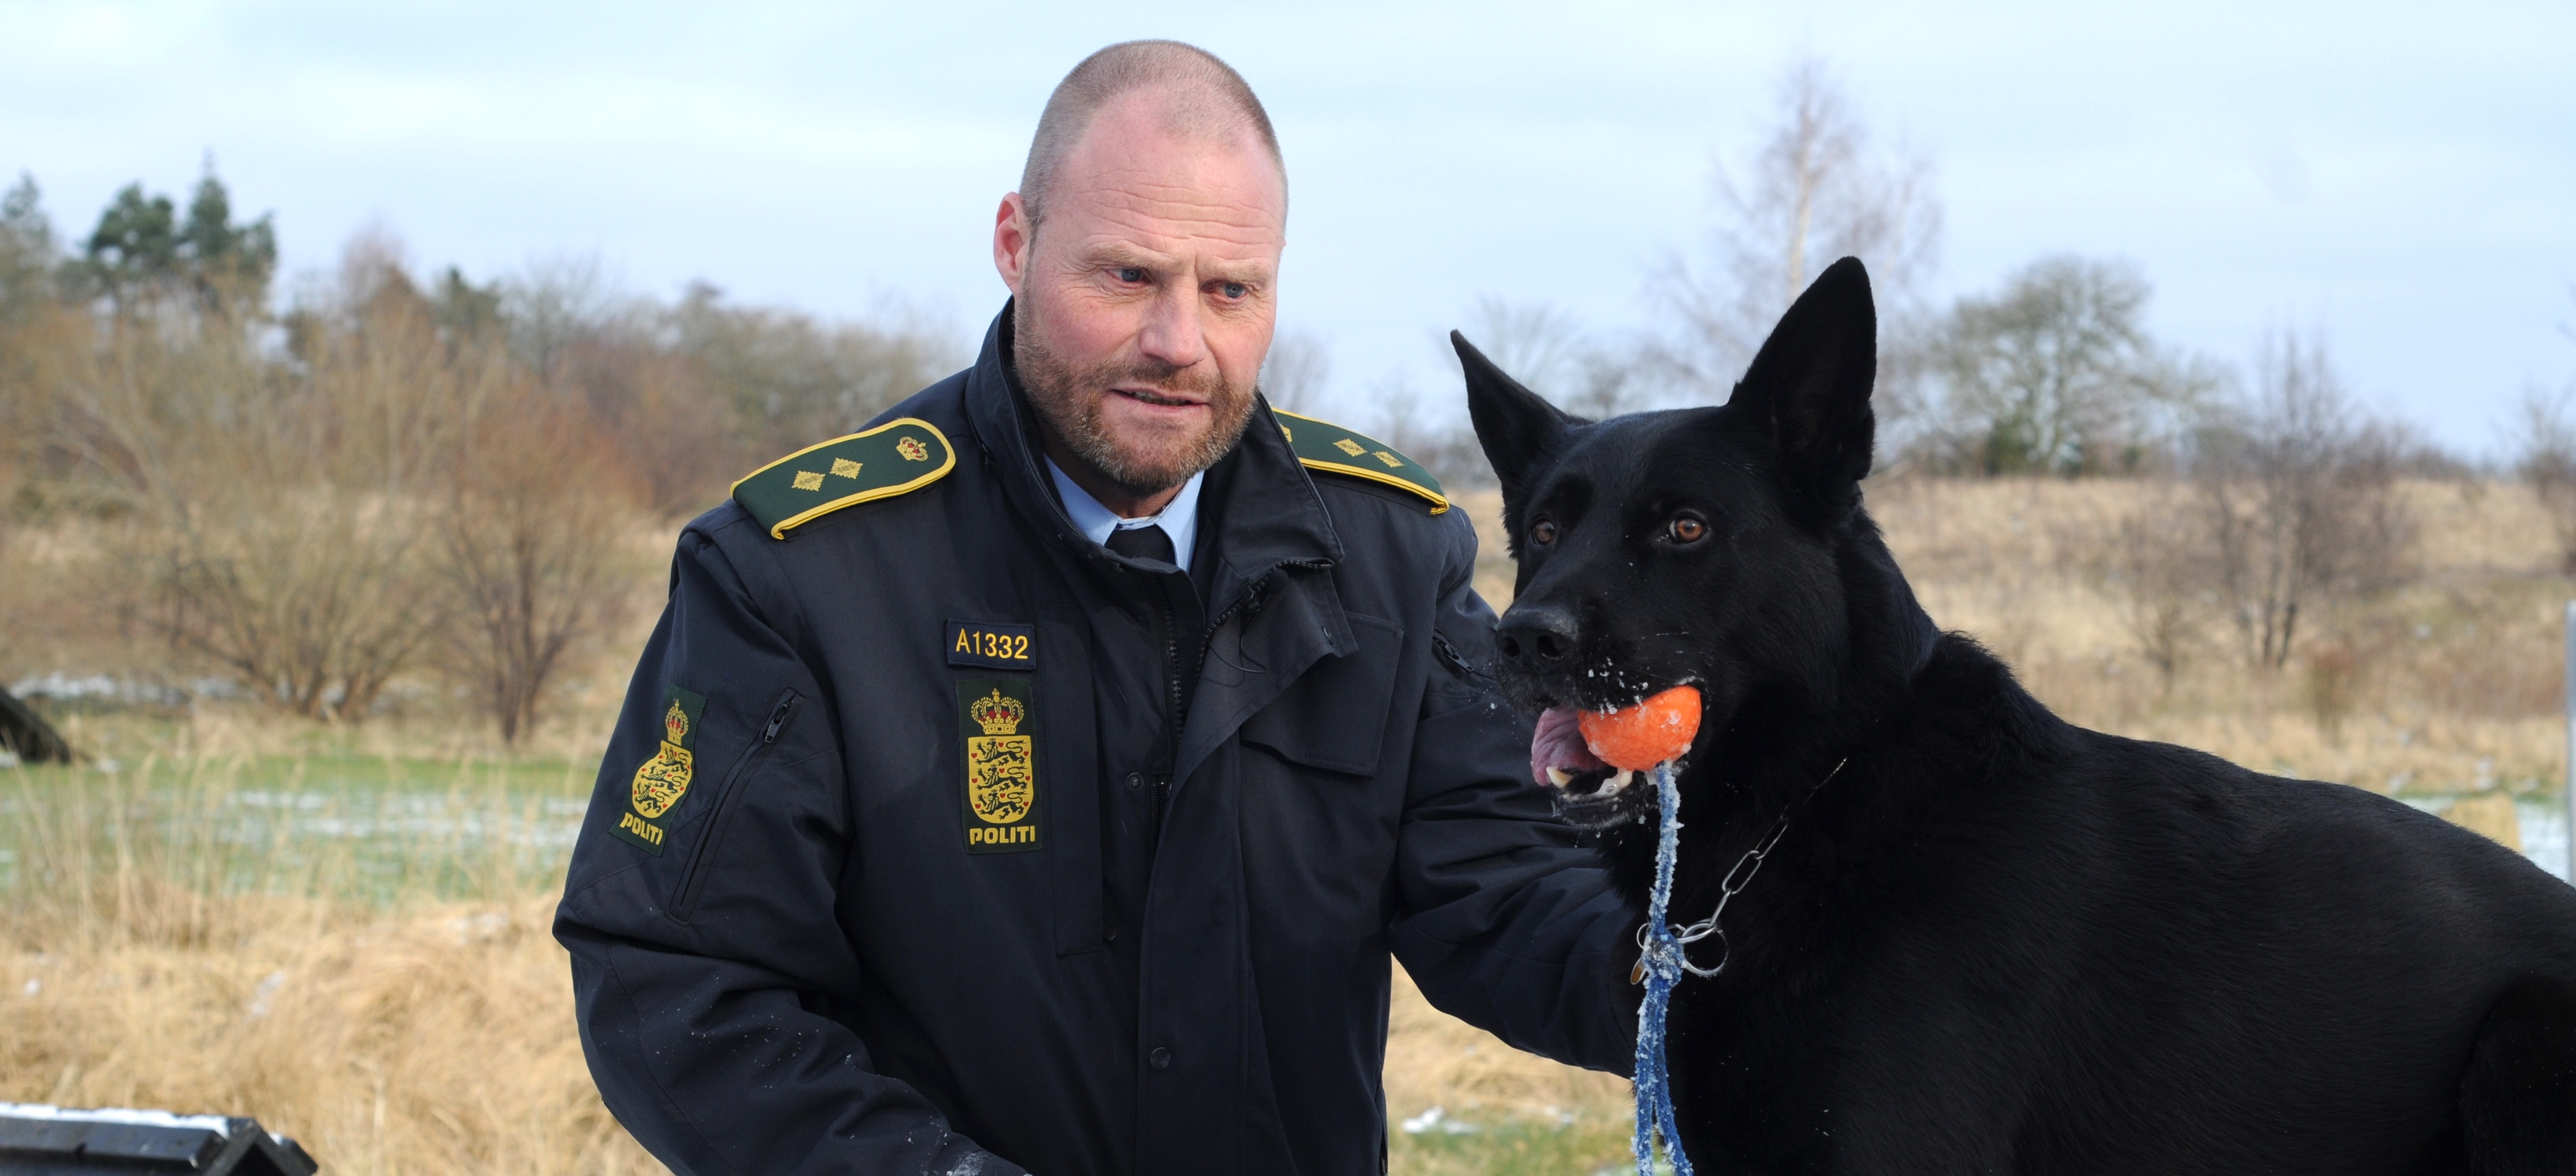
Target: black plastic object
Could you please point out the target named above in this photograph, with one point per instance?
(27, 735)
(43, 1141)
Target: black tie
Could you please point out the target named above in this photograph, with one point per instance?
(1145, 542)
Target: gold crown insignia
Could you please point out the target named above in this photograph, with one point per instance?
(997, 714)
(676, 723)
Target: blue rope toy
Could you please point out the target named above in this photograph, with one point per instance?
(1665, 958)
(1663, 964)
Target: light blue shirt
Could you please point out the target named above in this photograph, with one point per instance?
(1179, 520)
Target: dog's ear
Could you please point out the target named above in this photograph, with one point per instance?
(1810, 383)
(1516, 426)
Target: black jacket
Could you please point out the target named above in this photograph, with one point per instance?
(1235, 811)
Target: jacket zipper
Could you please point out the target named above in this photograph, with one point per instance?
(692, 878)
(1176, 706)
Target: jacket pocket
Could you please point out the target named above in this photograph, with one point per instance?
(684, 895)
(1334, 717)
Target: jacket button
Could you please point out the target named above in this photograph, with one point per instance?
(1135, 780)
(1160, 1059)
(1111, 935)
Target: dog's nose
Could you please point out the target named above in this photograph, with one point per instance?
(1536, 635)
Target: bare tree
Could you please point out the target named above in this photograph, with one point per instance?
(28, 251)
(2156, 569)
(1548, 351)
(279, 520)
(2547, 460)
(1815, 191)
(1541, 346)
(1446, 446)
(2056, 374)
(29, 311)
(1297, 370)
(530, 544)
(784, 380)
(2300, 490)
(557, 302)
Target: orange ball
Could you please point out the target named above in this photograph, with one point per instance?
(1649, 733)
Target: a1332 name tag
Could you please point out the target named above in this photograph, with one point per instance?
(993, 647)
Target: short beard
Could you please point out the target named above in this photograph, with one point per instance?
(1068, 401)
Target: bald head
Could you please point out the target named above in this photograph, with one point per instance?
(1193, 94)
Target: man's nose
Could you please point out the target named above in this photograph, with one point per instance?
(1537, 636)
(1172, 334)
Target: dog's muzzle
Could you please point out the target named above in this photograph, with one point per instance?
(1586, 789)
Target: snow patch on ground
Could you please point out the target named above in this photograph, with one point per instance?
(1438, 1120)
(122, 1116)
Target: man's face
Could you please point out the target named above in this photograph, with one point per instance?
(1146, 302)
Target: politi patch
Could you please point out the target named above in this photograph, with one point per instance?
(662, 781)
(998, 797)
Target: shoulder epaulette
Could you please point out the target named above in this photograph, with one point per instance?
(897, 457)
(1323, 445)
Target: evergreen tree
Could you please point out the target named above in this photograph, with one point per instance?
(141, 252)
(27, 251)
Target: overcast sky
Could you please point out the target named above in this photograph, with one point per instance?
(2401, 177)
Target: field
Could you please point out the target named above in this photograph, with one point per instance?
(343, 930)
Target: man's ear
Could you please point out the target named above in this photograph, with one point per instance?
(1013, 238)
(1810, 385)
(1517, 427)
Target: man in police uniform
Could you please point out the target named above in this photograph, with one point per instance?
(1040, 778)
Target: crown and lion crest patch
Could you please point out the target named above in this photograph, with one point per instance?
(1001, 784)
(662, 781)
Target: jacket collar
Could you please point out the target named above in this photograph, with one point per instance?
(1276, 609)
(1259, 498)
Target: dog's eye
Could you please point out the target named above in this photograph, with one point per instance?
(1542, 532)
(1686, 529)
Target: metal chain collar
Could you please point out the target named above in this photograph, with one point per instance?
(1737, 878)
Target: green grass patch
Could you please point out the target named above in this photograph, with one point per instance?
(1583, 1145)
(351, 827)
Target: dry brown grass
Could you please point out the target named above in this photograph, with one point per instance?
(438, 1038)
(2451, 684)
(152, 956)
(1436, 1060)
(434, 1038)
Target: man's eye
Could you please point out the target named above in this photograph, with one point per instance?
(1131, 274)
(1542, 532)
(1233, 289)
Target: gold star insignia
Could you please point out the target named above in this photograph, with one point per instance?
(1348, 446)
(843, 467)
(808, 480)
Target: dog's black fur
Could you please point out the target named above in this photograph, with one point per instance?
(1994, 941)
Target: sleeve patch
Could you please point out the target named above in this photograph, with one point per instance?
(662, 780)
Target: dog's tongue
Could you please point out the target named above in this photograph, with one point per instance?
(1558, 743)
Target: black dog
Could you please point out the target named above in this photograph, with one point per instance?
(1992, 941)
